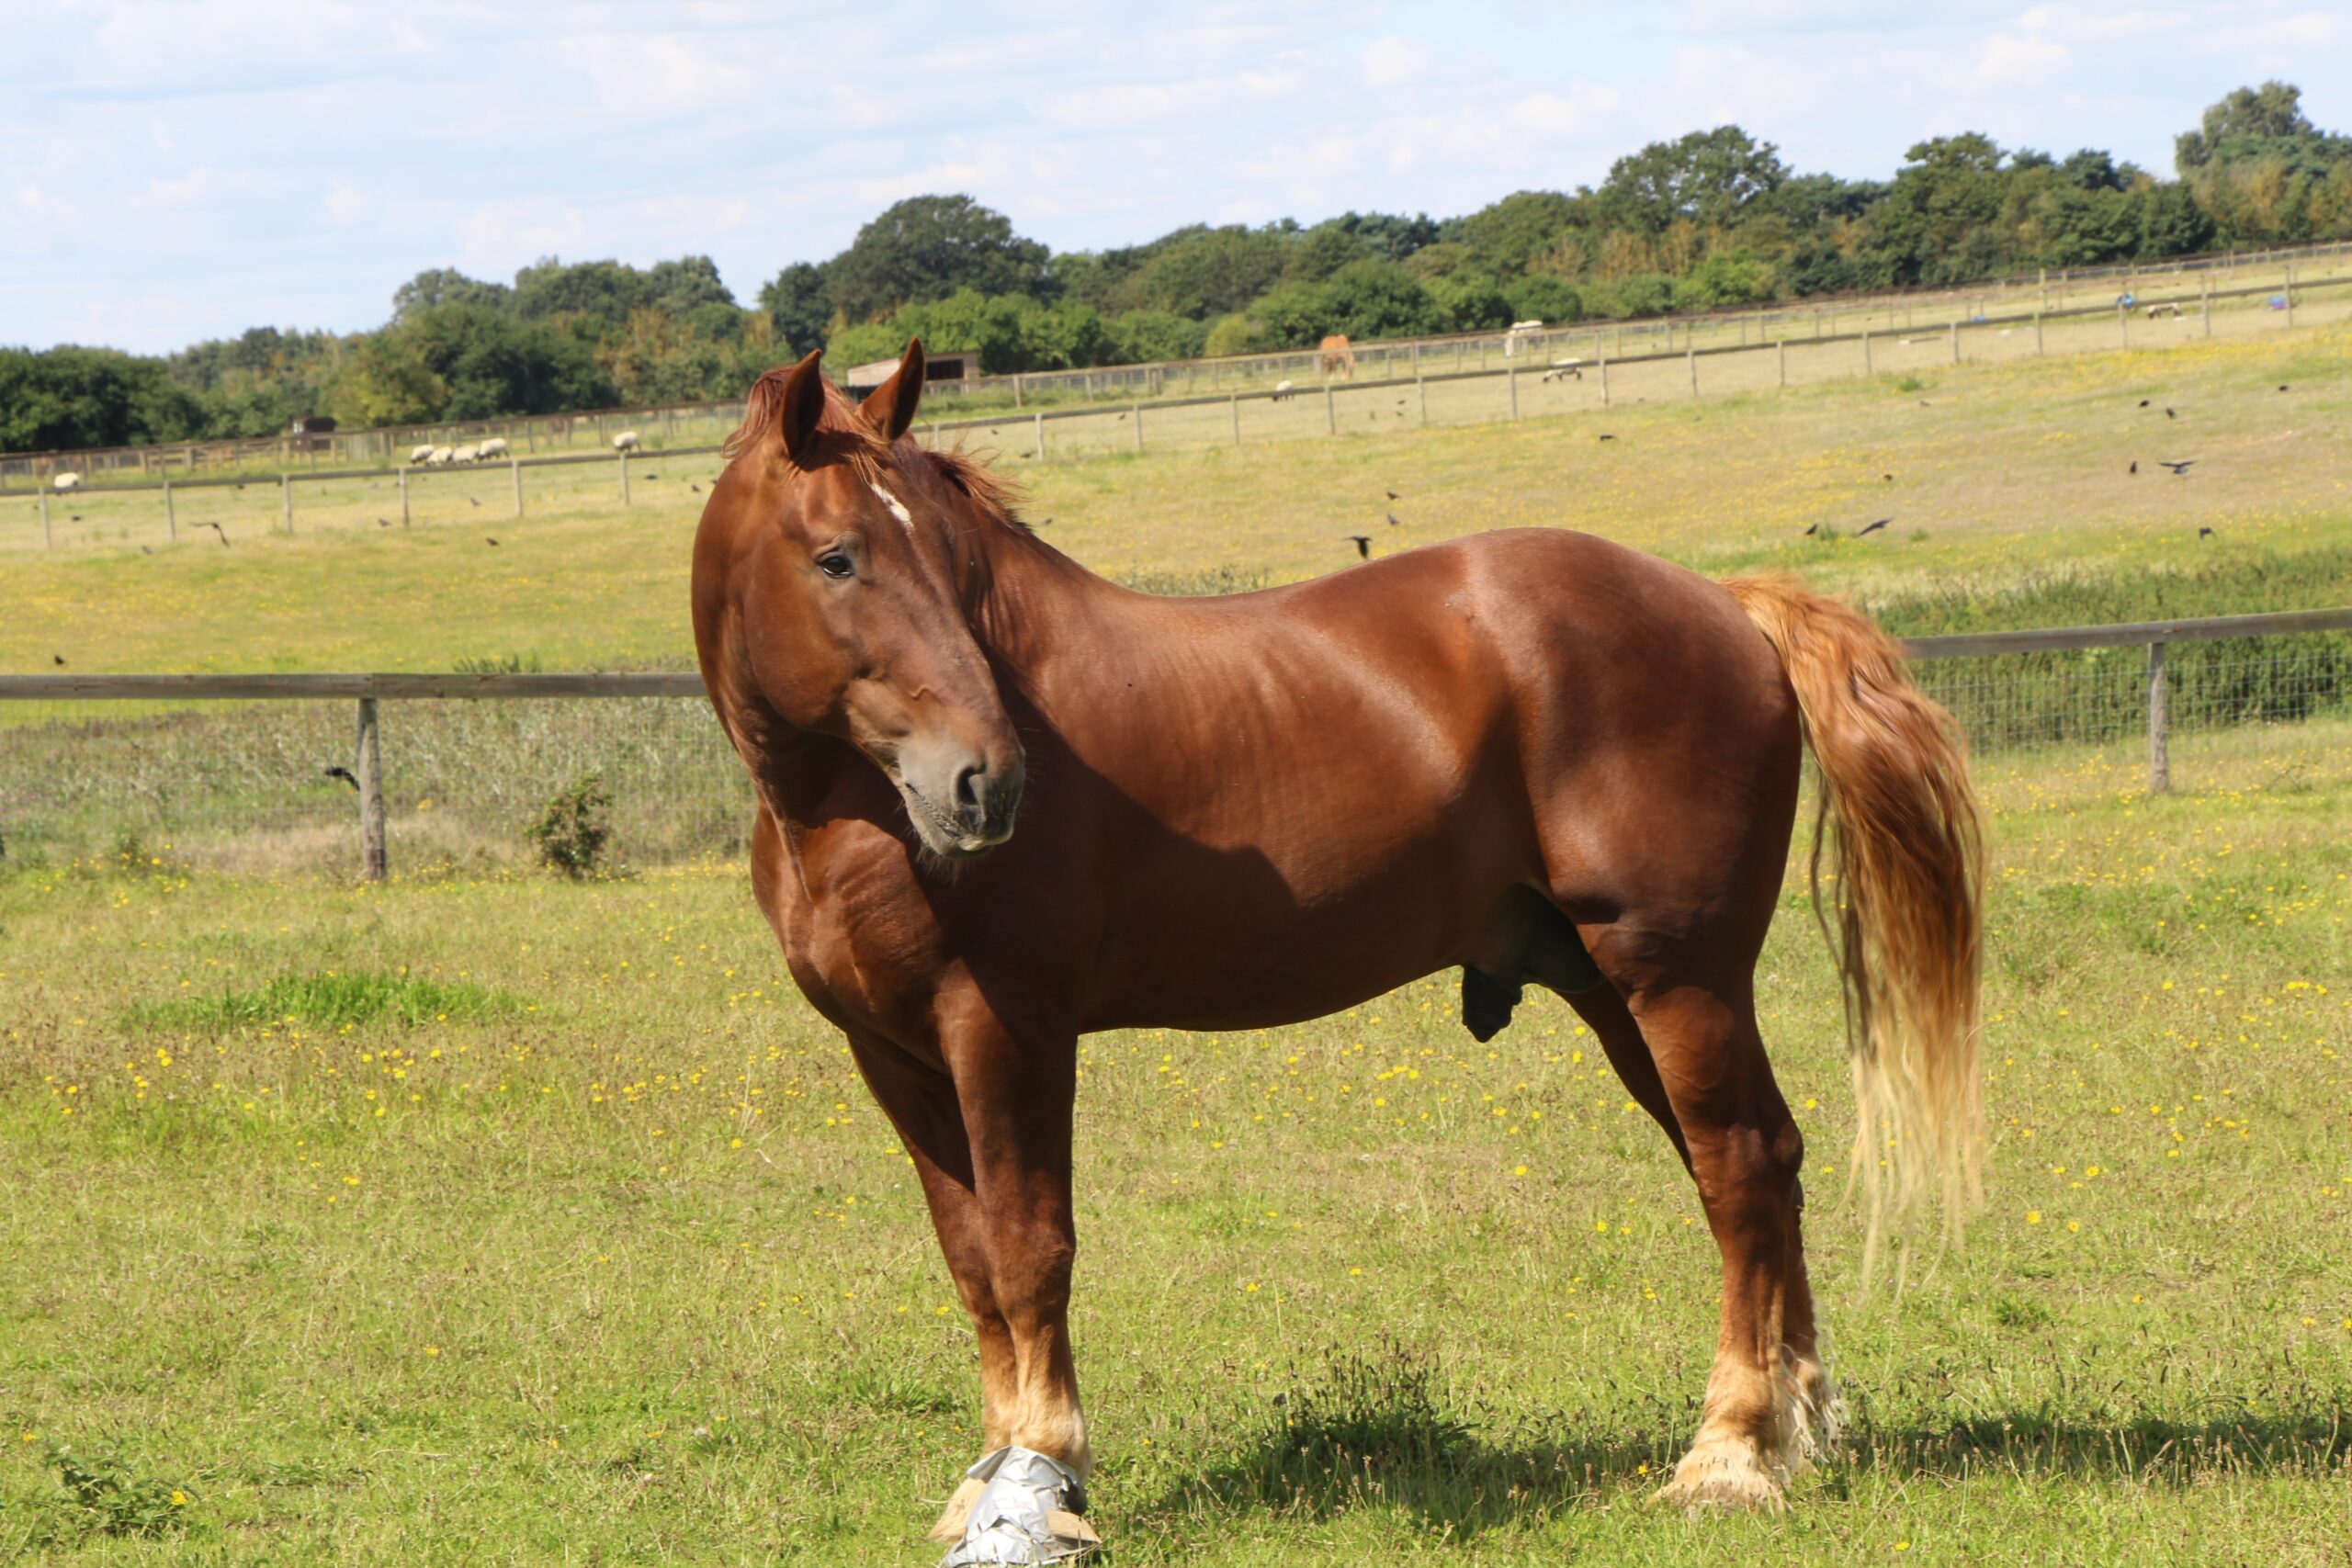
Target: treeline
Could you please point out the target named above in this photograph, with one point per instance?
(1711, 220)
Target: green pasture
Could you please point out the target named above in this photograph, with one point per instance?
(508, 1220)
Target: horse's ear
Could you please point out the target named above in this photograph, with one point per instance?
(890, 406)
(800, 406)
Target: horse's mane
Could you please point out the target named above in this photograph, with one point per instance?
(844, 437)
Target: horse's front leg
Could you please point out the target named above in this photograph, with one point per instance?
(920, 1101)
(1016, 1095)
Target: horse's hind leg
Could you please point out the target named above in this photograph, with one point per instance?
(1767, 1397)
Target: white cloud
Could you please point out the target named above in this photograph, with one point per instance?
(1388, 62)
(2024, 55)
(346, 203)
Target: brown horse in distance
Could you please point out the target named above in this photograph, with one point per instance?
(1530, 754)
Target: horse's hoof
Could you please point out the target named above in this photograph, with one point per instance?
(958, 1512)
(1726, 1479)
(1024, 1512)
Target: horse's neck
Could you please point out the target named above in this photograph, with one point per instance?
(1037, 606)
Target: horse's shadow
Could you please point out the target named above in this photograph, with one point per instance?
(1382, 1441)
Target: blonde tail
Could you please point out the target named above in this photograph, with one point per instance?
(1905, 847)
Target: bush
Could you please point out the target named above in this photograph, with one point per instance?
(572, 830)
(1543, 298)
(1235, 333)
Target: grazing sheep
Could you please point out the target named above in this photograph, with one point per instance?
(626, 441)
(421, 453)
(494, 447)
(66, 481)
(438, 456)
(465, 455)
(1283, 390)
(1565, 370)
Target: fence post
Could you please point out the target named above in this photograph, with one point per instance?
(171, 517)
(1330, 410)
(44, 514)
(1511, 375)
(2205, 304)
(1421, 391)
(2122, 326)
(1866, 351)
(1235, 400)
(2037, 334)
(1139, 413)
(516, 465)
(2290, 294)
(624, 462)
(1781, 353)
(403, 495)
(286, 499)
(1955, 342)
(1040, 417)
(371, 794)
(2159, 751)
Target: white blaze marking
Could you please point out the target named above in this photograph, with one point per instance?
(897, 508)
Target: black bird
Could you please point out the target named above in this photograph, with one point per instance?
(1363, 546)
(1811, 529)
(76, 517)
(2169, 414)
(2135, 464)
(1923, 403)
(2282, 387)
(217, 529)
(1393, 496)
(1123, 416)
(494, 543)
(2204, 533)
(2144, 403)
(1392, 521)
(471, 502)
(1874, 527)
(1046, 523)
(146, 550)
(2181, 469)
(58, 658)
(1605, 436)
(345, 774)
(1888, 478)
(654, 476)
(383, 521)
(694, 486)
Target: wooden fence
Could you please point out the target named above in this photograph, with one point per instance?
(368, 692)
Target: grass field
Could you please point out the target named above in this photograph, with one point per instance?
(510, 1220)
(490, 1218)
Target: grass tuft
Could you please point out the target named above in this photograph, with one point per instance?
(329, 999)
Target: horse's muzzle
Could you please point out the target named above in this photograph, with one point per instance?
(961, 803)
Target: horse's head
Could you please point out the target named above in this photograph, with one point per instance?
(829, 583)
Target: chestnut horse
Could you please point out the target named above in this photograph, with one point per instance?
(1530, 754)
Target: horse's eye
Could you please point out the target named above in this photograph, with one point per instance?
(835, 564)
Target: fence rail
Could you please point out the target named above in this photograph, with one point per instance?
(238, 759)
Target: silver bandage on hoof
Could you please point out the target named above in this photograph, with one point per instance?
(1026, 1512)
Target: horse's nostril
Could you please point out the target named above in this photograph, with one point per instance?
(968, 792)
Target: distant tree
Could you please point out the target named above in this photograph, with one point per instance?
(1473, 302)
(927, 247)
(2272, 112)
(445, 285)
(1710, 177)
(1509, 235)
(685, 286)
(386, 379)
(1324, 250)
(596, 296)
(2090, 169)
(1203, 273)
(799, 304)
(69, 397)
(1725, 278)
(1144, 335)
(1543, 297)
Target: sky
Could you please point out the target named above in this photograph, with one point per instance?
(174, 171)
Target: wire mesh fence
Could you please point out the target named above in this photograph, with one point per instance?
(270, 785)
